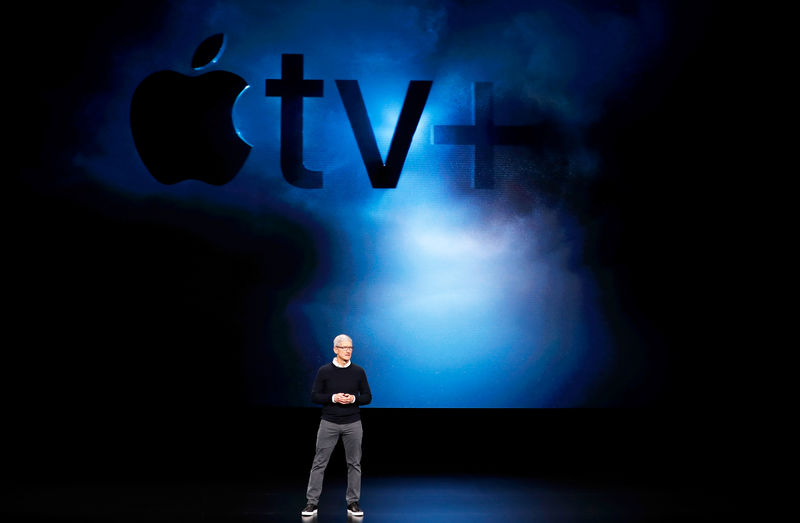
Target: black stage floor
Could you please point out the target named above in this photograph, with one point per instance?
(563, 465)
(384, 499)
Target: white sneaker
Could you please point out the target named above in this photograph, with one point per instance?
(354, 510)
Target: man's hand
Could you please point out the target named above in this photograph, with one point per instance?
(343, 398)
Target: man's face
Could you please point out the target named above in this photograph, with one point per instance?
(344, 350)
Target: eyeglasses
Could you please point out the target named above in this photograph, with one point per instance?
(344, 348)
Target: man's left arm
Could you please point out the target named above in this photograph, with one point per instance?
(364, 393)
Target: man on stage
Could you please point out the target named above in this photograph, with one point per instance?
(341, 388)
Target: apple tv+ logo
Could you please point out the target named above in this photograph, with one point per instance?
(183, 125)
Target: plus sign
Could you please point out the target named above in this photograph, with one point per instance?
(292, 89)
(484, 135)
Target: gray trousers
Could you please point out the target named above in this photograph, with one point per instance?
(327, 437)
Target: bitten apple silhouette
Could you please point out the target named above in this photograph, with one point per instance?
(183, 125)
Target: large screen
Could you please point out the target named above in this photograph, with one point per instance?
(443, 181)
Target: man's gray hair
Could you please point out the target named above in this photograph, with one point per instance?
(337, 341)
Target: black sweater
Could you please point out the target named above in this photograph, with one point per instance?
(331, 380)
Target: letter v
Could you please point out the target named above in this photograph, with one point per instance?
(384, 176)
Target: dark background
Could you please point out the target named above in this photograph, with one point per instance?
(109, 371)
(667, 449)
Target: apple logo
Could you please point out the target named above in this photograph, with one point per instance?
(183, 125)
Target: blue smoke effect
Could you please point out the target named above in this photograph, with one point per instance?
(454, 297)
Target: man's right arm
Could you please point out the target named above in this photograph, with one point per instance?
(318, 394)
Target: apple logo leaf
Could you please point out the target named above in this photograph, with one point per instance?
(209, 51)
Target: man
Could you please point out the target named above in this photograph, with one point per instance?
(341, 388)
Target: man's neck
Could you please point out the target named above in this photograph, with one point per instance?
(340, 362)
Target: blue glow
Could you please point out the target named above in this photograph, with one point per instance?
(235, 125)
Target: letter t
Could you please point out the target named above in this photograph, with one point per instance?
(292, 89)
